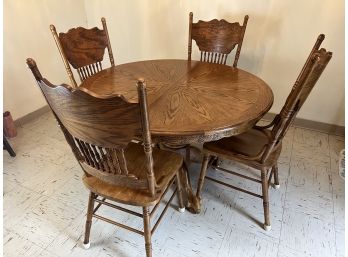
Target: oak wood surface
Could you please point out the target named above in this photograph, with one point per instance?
(189, 101)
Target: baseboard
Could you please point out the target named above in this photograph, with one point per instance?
(314, 125)
(31, 116)
(303, 123)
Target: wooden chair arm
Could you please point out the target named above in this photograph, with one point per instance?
(269, 125)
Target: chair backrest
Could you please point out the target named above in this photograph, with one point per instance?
(309, 75)
(98, 129)
(83, 49)
(216, 39)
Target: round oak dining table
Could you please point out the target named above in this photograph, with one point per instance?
(189, 101)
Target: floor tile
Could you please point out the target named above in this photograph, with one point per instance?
(312, 138)
(338, 201)
(43, 221)
(312, 147)
(311, 177)
(8, 186)
(336, 144)
(240, 243)
(70, 191)
(340, 243)
(248, 215)
(285, 251)
(18, 246)
(316, 204)
(16, 202)
(307, 234)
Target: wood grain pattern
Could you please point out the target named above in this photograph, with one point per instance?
(216, 39)
(83, 49)
(260, 147)
(189, 101)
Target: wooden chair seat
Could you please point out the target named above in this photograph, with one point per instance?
(166, 165)
(244, 146)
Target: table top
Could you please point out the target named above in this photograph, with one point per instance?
(189, 101)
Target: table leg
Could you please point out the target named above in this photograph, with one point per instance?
(191, 201)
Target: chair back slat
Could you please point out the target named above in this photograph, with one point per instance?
(216, 39)
(99, 130)
(83, 49)
(309, 75)
(89, 70)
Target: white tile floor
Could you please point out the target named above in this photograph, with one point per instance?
(45, 204)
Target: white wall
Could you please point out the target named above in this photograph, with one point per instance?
(278, 39)
(27, 34)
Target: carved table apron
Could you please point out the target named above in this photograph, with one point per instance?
(189, 101)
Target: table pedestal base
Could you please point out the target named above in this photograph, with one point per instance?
(191, 201)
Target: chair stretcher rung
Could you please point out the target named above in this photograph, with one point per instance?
(119, 224)
(233, 187)
(237, 174)
(99, 204)
(119, 208)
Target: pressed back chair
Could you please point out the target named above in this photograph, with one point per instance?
(260, 147)
(216, 39)
(99, 131)
(83, 49)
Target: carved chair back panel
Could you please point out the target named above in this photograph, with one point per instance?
(83, 47)
(217, 36)
(216, 39)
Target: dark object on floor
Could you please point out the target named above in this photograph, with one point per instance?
(8, 147)
(10, 130)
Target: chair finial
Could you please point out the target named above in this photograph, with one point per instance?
(141, 83)
(34, 69)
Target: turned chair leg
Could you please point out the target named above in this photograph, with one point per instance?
(264, 180)
(276, 178)
(86, 243)
(179, 193)
(202, 175)
(147, 232)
